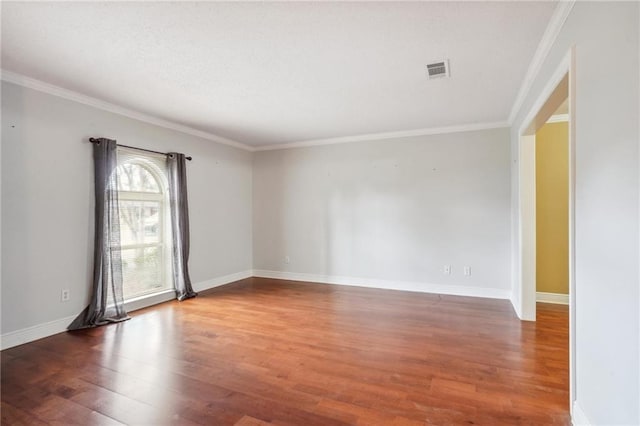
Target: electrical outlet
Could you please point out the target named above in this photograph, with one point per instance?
(287, 260)
(65, 295)
(447, 269)
(467, 271)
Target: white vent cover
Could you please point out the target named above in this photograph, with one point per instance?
(438, 69)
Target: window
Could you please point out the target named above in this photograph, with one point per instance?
(144, 224)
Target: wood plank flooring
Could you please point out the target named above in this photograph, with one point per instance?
(263, 351)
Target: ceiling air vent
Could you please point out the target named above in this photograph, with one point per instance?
(438, 69)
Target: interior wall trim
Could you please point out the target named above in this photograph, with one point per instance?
(388, 135)
(559, 17)
(40, 331)
(41, 86)
(578, 417)
(420, 287)
(556, 298)
(559, 118)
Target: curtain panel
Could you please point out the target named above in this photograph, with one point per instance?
(106, 304)
(176, 168)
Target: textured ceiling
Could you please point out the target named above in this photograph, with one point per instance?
(266, 73)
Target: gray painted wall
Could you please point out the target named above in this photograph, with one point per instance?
(47, 202)
(396, 210)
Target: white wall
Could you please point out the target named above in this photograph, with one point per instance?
(607, 195)
(47, 202)
(392, 210)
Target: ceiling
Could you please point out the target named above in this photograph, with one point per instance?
(270, 73)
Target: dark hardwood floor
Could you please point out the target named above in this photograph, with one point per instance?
(265, 351)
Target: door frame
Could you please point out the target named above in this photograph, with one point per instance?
(560, 86)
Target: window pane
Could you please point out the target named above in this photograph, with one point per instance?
(143, 199)
(134, 177)
(142, 271)
(140, 222)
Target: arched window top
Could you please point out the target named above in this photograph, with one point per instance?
(137, 177)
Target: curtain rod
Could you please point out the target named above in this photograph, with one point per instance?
(94, 140)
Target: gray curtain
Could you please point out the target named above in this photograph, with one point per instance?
(176, 169)
(107, 302)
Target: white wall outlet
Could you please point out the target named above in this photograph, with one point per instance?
(447, 269)
(65, 295)
(287, 260)
(467, 271)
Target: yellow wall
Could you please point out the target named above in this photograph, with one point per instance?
(552, 208)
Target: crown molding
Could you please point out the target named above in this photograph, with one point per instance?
(51, 89)
(387, 135)
(32, 83)
(559, 17)
(558, 118)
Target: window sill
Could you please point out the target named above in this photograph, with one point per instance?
(149, 300)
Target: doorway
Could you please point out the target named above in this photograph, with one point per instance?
(552, 208)
(560, 88)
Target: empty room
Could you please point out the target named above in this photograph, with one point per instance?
(320, 213)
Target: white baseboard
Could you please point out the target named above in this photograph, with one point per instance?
(455, 290)
(578, 417)
(516, 305)
(557, 298)
(36, 332)
(40, 331)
